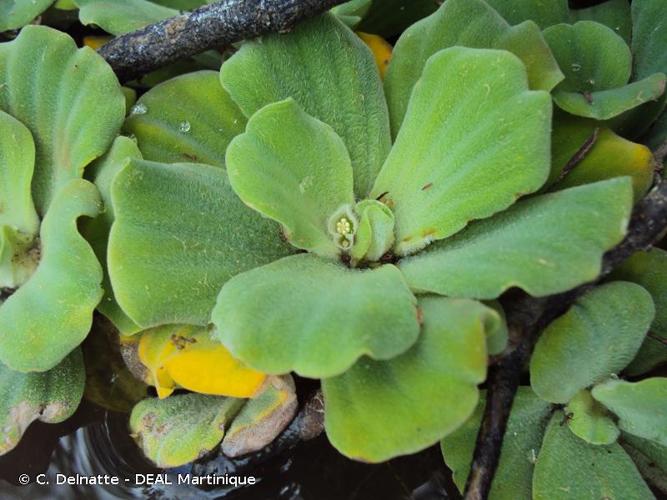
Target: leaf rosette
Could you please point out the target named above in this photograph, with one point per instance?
(396, 241)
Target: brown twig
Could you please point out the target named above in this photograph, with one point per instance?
(215, 25)
(527, 317)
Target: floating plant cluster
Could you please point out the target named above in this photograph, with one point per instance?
(327, 206)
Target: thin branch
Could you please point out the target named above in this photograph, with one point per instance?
(527, 317)
(211, 26)
(579, 155)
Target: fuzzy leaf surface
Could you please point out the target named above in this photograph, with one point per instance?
(611, 103)
(474, 139)
(331, 74)
(612, 13)
(17, 13)
(51, 314)
(568, 467)
(180, 233)
(50, 397)
(96, 231)
(589, 420)
(466, 23)
(178, 430)
(122, 16)
(597, 337)
(592, 56)
(294, 169)
(649, 269)
(68, 98)
(189, 118)
(544, 245)
(544, 12)
(641, 406)
(649, 37)
(380, 409)
(314, 316)
(17, 160)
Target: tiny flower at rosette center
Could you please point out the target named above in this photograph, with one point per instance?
(343, 226)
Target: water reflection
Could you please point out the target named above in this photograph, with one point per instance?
(96, 442)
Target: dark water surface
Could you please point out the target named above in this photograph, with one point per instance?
(96, 441)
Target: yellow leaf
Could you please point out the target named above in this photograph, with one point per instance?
(95, 42)
(613, 156)
(187, 357)
(380, 48)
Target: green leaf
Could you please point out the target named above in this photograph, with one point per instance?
(122, 16)
(189, 118)
(352, 12)
(641, 407)
(657, 135)
(568, 468)
(180, 233)
(19, 255)
(96, 231)
(18, 220)
(69, 99)
(467, 23)
(649, 37)
(17, 13)
(331, 74)
(294, 169)
(390, 17)
(589, 420)
(597, 337)
(524, 245)
(544, 12)
(652, 353)
(261, 419)
(471, 109)
(612, 13)
(375, 235)
(649, 457)
(521, 444)
(380, 409)
(570, 136)
(649, 269)
(592, 56)
(613, 156)
(496, 340)
(50, 397)
(607, 104)
(182, 428)
(315, 317)
(52, 312)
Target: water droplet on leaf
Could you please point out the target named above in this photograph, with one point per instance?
(139, 109)
(184, 126)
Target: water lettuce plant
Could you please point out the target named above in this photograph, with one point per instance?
(353, 256)
(327, 207)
